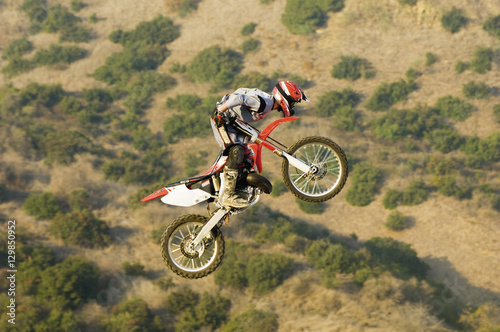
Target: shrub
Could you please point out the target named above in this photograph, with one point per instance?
(481, 60)
(482, 151)
(265, 272)
(330, 5)
(445, 139)
(119, 67)
(76, 34)
(310, 208)
(186, 7)
(159, 31)
(496, 112)
(454, 108)
(346, 118)
(80, 228)
(415, 193)
(58, 19)
(471, 90)
(248, 29)
(133, 268)
(253, 320)
(212, 311)
(182, 300)
(36, 10)
(216, 66)
(77, 5)
(447, 185)
(387, 94)
(454, 19)
(397, 124)
(392, 198)
(62, 146)
(492, 26)
(352, 68)
(58, 54)
(302, 17)
(250, 45)
(71, 105)
(408, 2)
(46, 95)
(93, 18)
(396, 221)
(17, 48)
(79, 200)
(412, 74)
(132, 315)
(332, 101)
(430, 59)
(193, 160)
(254, 80)
(76, 280)
(42, 206)
(395, 257)
(365, 179)
(461, 66)
(279, 188)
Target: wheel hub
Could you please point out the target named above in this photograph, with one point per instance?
(188, 250)
(317, 172)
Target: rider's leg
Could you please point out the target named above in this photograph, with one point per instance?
(229, 197)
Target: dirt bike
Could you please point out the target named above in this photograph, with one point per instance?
(314, 169)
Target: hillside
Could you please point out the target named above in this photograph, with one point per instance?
(107, 119)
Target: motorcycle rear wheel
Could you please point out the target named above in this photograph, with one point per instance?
(328, 172)
(181, 258)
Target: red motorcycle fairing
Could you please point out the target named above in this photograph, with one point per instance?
(257, 148)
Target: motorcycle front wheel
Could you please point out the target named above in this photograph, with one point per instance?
(181, 257)
(328, 169)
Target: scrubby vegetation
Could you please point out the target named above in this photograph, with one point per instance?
(365, 179)
(388, 94)
(454, 19)
(303, 17)
(352, 68)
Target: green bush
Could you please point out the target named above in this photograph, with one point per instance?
(182, 300)
(184, 126)
(408, 2)
(395, 257)
(58, 19)
(46, 95)
(58, 54)
(398, 124)
(331, 102)
(42, 206)
(192, 161)
(416, 193)
(79, 200)
(471, 90)
(93, 18)
(253, 320)
(309, 207)
(17, 48)
(216, 66)
(454, 108)
(492, 26)
(186, 7)
(248, 29)
(133, 268)
(481, 60)
(77, 5)
(392, 198)
(159, 31)
(69, 283)
(265, 272)
(480, 152)
(352, 68)
(80, 228)
(447, 185)
(461, 66)
(253, 80)
(396, 221)
(387, 94)
(61, 147)
(121, 66)
(412, 74)
(76, 34)
(445, 139)
(496, 112)
(454, 19)
(347, 118)
(279, 188)
(36, 10)
(364, 180)
(302, 17)
(249, 45)
(187, 103)
(132, 315)
(430, 59)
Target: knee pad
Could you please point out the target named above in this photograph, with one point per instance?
(235, 156)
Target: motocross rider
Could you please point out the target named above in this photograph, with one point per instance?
(247, 105)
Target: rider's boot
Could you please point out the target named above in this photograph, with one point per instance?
(229, 197)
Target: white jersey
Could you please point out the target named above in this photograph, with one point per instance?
(248, 105)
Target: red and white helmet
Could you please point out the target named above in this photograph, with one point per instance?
(287, 94)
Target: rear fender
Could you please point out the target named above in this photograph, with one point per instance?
(179, 195)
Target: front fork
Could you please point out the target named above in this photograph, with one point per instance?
(214, 220)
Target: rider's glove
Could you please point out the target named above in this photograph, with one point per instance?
(218, 117)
